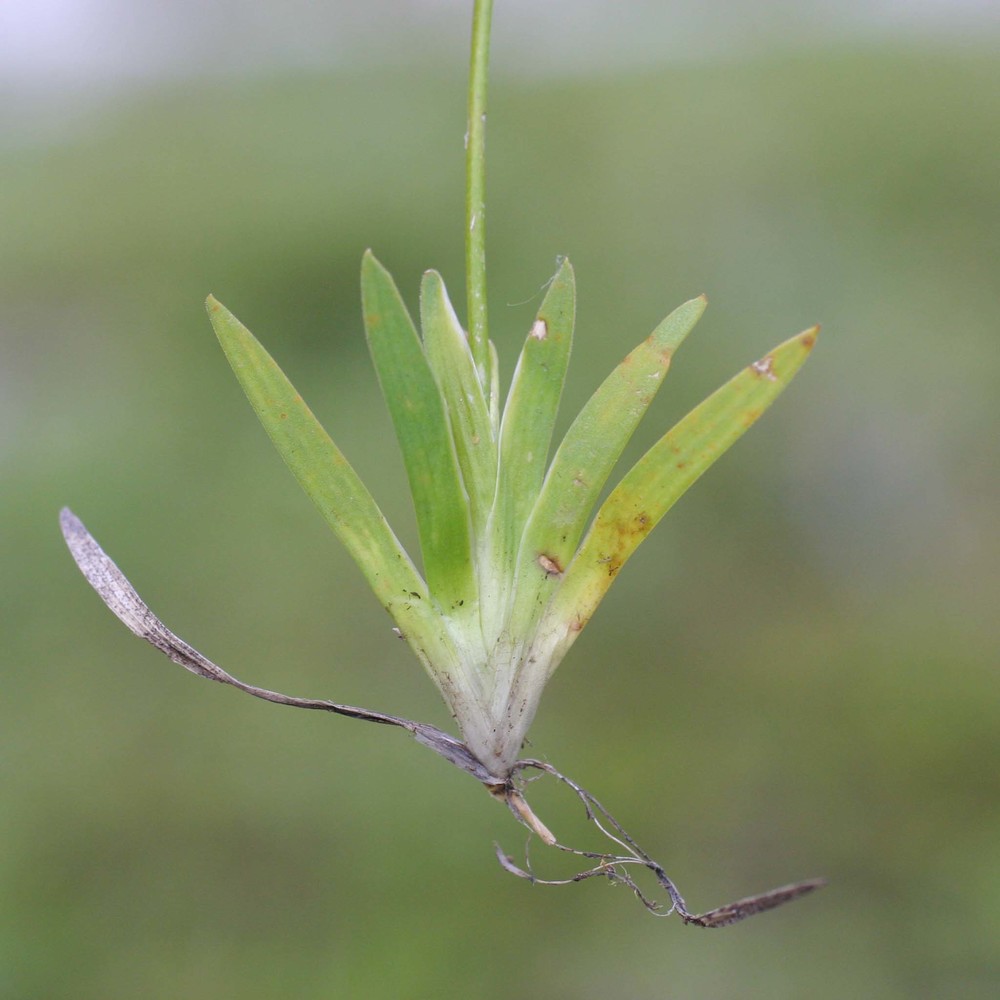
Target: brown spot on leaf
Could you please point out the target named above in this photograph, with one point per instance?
(613, 562)
(550, 565)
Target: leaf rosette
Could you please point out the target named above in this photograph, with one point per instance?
(515, 558)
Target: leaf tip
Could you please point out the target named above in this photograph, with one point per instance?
(807, 338)
(217, 311)
(67, 520)
(371, 266)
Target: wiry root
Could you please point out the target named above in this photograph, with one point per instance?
(617, 868)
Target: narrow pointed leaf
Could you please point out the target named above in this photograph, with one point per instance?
(422, 428)
(448, 353)
(664, 473)
(587, 455)
(530, 412)
(333, 485)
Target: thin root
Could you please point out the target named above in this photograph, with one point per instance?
(614, 867)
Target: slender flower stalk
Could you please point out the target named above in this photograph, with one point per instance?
(475, 188)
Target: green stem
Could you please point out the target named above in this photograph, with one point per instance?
(475, 191)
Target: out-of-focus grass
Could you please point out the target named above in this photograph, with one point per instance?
(796, 676)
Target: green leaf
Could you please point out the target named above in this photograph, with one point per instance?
(422, 428)
(664, 473)
(448, 353)
(494, 390)
(586, 457)
(530, 413)
(333, 485)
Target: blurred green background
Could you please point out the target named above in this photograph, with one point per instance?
(796, 676)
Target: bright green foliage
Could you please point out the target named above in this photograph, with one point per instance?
(473, 428)
(587, 455)
(335, 488)
(529, 414)
(317, 463)
(420, 418)
(509, 585)
(664, 473)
